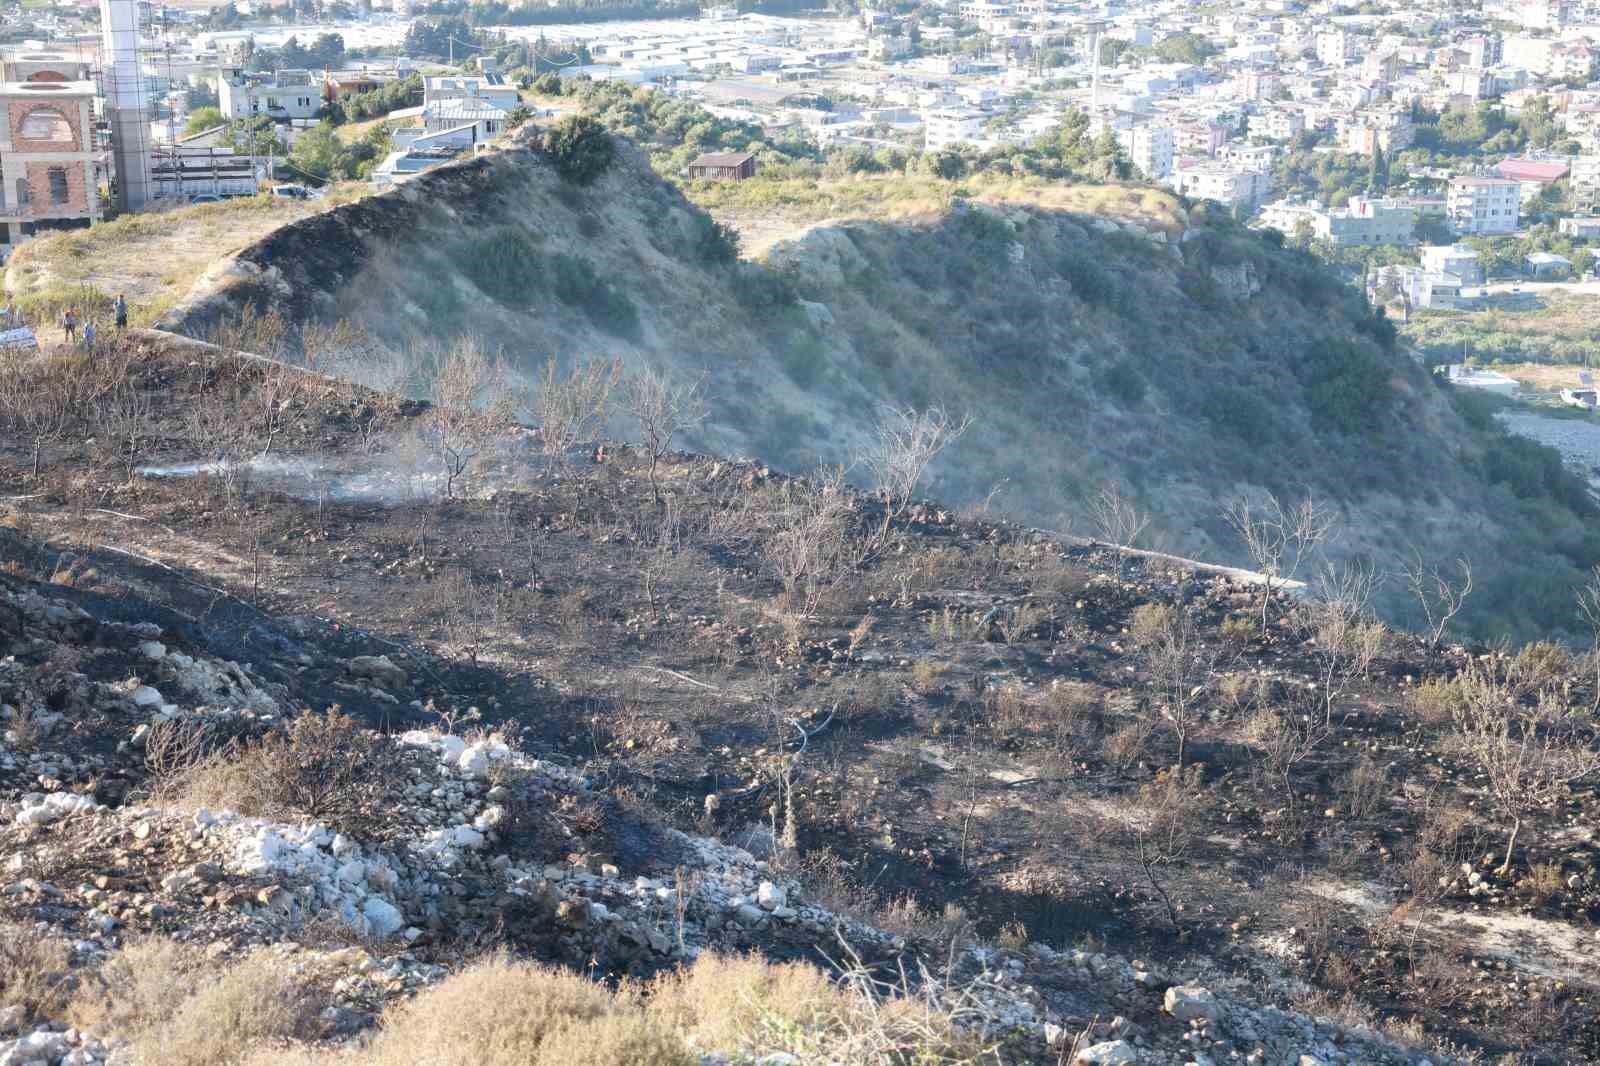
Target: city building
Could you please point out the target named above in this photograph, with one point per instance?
(1335, 47)
(47, 155)
(1480, 205)
(1363, 221)
(491, 87)
(946, 126)
(281, 96)
(1586, 184)
(1277, 124)
(1199, 138)
(1149, 148)
(1454, 259)
(1231, 186)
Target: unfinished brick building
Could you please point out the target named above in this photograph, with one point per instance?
(47, 173)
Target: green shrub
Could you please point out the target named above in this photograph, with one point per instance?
(1090, 282)
(581, 148)
(1346, 386)
(1123, 381)
(505, 265)
(575, 282)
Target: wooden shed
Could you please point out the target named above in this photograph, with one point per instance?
(735, 166)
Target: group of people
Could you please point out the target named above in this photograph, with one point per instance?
(69, 323)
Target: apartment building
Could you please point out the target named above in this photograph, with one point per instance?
(491, 87)
(1277, 124)
(47, 156)
(1369, 222)
(946, 126)
(1150, 148)
(1199, 138)
(1480, 206)
(1335, 47)
(1586, 184)
(281, 95)
(1231, 186)
(1364, 221)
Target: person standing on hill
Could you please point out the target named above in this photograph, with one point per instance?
(88, 336)
(69, 325)
(121, 308)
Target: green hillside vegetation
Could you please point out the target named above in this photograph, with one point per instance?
(1562, 330)
(1089, 351)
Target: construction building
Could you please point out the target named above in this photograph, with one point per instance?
(47, 150)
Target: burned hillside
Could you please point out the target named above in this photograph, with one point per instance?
(1156, 349)
(287, 684)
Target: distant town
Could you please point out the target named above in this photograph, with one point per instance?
(1432, 150)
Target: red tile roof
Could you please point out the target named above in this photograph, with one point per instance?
(1532, 170)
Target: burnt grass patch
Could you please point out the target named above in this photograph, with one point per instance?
(964, 725)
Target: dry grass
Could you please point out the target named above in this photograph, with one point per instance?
(504, 1013)
(177, 1010)
(137, 988)
(800, 201)
(153, 258)
(35, 973)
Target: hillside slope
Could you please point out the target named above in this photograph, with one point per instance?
(628, 739)
(1172, 352)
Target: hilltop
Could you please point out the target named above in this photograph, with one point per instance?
(1152, 346)
(315, 728)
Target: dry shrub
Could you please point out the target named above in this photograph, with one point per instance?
(35, 973)
(753, 1008)
(1443, 828)
(1021, 622)
(1006, 711)
(1238, 631)
(1539, 665)
(1544, 882)
(137, 988)
(321, 766)
(1365, 789)
(1128, 743)
(253, 1002)
(1242, 692)
(179, 1011)
(611, 1039)
(504, 1013)
(904, 916)
(1068, 713)
(572, 612)
(925, 674)
(1437, 700)
(1152, 621)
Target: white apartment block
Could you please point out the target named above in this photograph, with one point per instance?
(1277, 124)
(1150, 148)
(1368, 222)
(1480, 206)
(1335, 48)
(947, 126)
(282, 95)
(1585, 180)
(1226, 185)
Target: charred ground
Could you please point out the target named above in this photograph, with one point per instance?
(985, 712)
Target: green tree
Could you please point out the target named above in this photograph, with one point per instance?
(581, 148)
(319, 153)
(204, 118)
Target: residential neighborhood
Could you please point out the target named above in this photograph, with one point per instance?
(1376, 136)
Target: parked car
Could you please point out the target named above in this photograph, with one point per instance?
(205, 198)
(291, 192)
